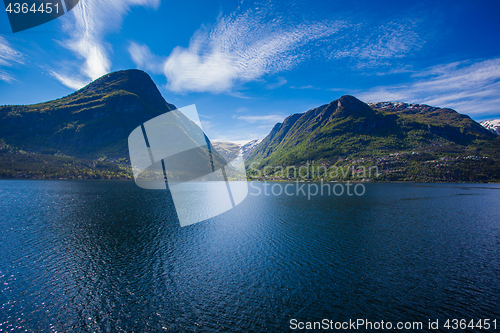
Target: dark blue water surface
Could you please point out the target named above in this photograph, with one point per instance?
(91, 256)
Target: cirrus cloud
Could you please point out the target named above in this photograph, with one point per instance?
(238, 49)
(272, 118)
(471, 87)
(8, 57)
(87, 25)
(249, 45)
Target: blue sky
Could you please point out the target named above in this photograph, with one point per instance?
(249, 64)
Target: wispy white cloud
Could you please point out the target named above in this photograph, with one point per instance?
(69, 81)
(281, 82)
(247, 46)
(392, 40)
(87, 24)
(405, 69)
(8, 57)
(6, 76)
(241, 109)
(242, 142)
(304, 87)
(469, 87)
(371, 45)
(239, 138)
(240, 48)
(207, 125)
(272, 118)
(145, 59)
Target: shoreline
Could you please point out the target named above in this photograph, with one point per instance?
(277, 181)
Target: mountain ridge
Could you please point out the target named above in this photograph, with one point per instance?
(93, 122)
(81, 135)
(349, 129)
(84, 135)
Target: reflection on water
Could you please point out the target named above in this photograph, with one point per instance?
(108, 256)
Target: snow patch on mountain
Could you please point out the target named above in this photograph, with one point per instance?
(492, 125)
(248, 148)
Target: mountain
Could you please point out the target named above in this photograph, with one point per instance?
(228, 150)
(81, 135)
(84, 135)
(492, 125)
(93, 122)
(249, 147)
(389, 135)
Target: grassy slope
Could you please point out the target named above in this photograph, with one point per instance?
(80, 135)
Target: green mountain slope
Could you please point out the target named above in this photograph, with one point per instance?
(90, 123)
(81, 135)
(390, 136)
(85, 135)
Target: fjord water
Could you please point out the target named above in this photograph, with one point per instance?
(92, 256)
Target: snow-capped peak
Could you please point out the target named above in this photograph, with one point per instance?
(492, 125)
(248, 147)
